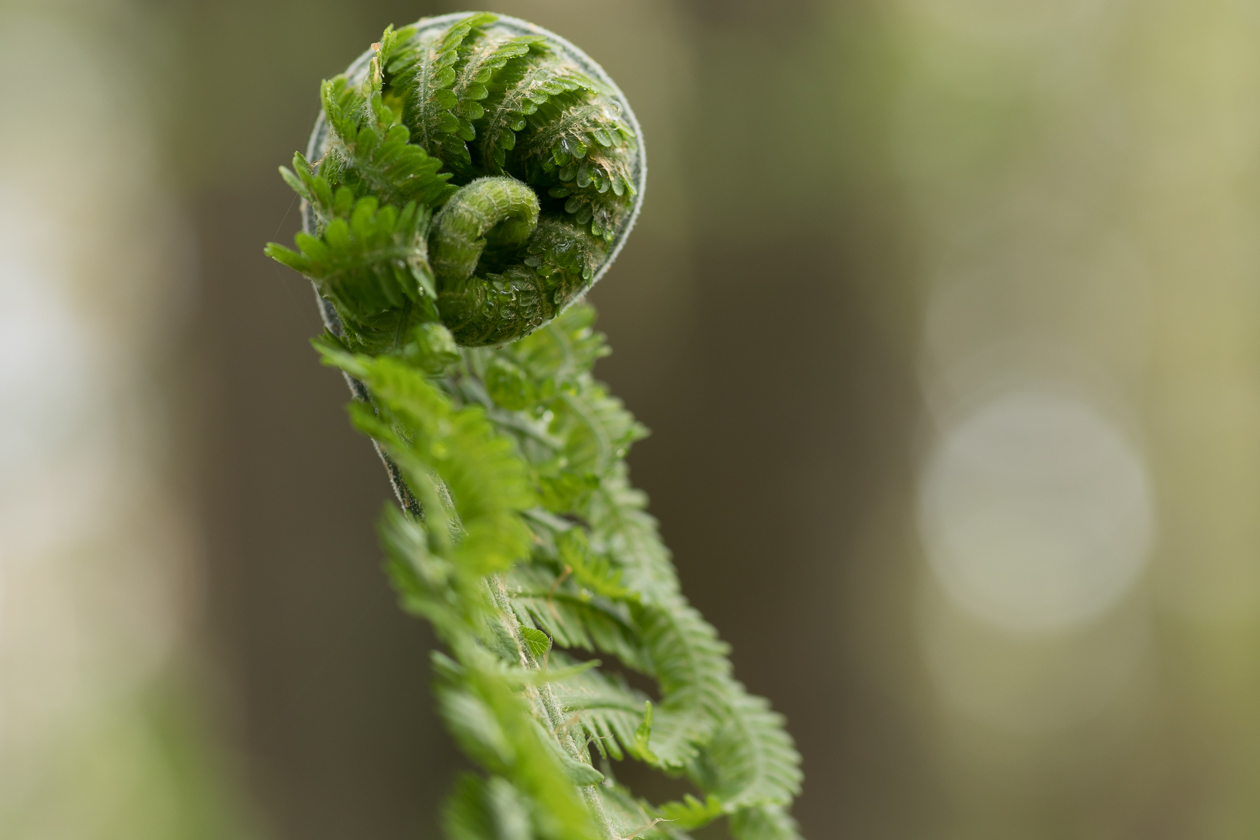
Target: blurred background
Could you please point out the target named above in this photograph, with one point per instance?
(945, 315)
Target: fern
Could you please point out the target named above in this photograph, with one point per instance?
(574, 619)
(607, 710)
(693, 672)
(763, 823)
(569, 143)
(517, 94)
(371, 262)
(468, 181)
(425, 76)
(480, 59)
(368, 150)
(750, 760)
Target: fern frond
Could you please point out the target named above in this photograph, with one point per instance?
(395, 171)
(568, 348)
(690, 664)
(577, 142)
(751, 760)
(622, 528)
(476, 727)
(566, 127)
(572, 618)
(521, 537)
(424, 72)
(596, 428)
(422, 578)
(634, 819)
(690, 812)
(372, 156)
(605, 709)
(345, 107)
(516, 94)
(480, 58)
(391, 40)
(596, 191)
(534, 767)
(369, 260)
(426, 435)
(565, 255)
(592, 572)
(312, 188)
(486, 809)
(764, 823)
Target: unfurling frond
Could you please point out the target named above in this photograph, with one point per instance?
(469, 180)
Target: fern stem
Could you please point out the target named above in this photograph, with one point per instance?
(546, 698)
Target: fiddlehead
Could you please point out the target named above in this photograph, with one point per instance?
(473, 114)
(469, 178)
(496, 220)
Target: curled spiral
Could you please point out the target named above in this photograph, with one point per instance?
(473, 169)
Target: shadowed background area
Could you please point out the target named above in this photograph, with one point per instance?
(943, 314)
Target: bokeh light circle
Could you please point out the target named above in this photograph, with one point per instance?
(1035, 512)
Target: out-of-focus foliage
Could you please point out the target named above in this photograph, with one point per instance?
(104, 724)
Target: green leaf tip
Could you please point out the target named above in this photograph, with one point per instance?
(537, 642)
